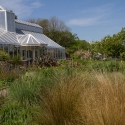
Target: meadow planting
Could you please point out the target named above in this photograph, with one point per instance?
(87, 93)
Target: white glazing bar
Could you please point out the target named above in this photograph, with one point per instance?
(51, 53)
(8, 48)
(17, 51)
(21, 52)
(57, 54)
(13, 51)
(34, 53)
(63, 54)
(54, 53)
(60, 54)
(6, 20)
(38, 52)
(25, 53)
(28, 54)
(43, 51)
(3, 47)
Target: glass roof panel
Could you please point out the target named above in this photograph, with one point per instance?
(40, 37)
(27, 23)
(28, 39)
(8, 37)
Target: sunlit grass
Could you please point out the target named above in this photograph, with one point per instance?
(66, 96)
(96, 99)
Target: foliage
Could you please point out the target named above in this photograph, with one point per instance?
(45, 61)
(14, 114)
(2, 100)
(122, 55)
(109, 66)
(80, 54)
(110, 46)
(78, 45)
(3, 55)
(8, 73)
(92, 98)
(16, 60)
(25, 91)
(67, 95)
(103, 102)
(60, 103)
(8, 76)
(101, 66)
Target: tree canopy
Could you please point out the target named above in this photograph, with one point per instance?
(111, 46)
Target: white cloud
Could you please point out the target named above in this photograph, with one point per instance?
(104, 9)
(36, 4)
(84, 21)
(92, 16)
(22, 8)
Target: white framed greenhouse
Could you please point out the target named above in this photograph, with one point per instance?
(26, 39)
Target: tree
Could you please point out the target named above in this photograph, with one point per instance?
(110, 46)
(45, 25)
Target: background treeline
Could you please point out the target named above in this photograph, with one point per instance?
(109, 46)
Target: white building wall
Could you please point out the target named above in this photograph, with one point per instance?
(10, 21)
(7, 20)
(2, 20)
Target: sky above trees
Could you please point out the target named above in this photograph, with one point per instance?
(89, 19)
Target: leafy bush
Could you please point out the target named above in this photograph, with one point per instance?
(3, 55)
(103, 66)
(16, 60)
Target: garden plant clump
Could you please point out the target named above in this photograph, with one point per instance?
(66, 95)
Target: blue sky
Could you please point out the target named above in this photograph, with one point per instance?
(89, 19)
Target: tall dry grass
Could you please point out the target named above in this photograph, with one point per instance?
(85, 99)
(59, 106)
(104, 103)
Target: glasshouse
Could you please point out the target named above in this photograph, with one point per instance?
(26, 39)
